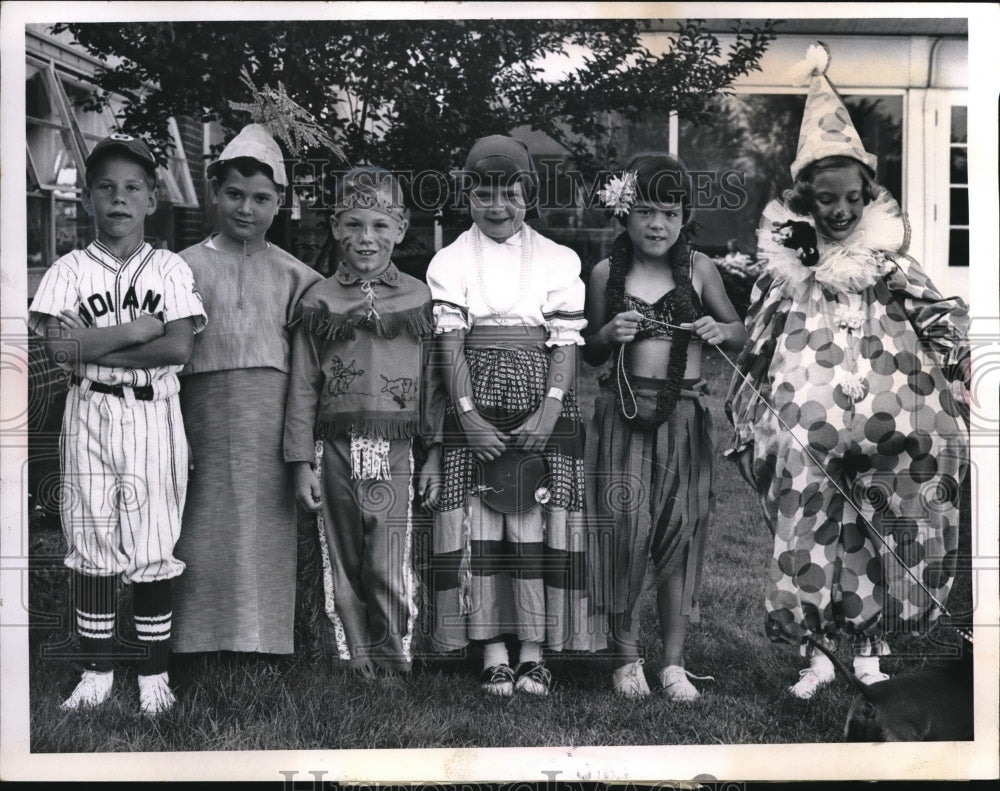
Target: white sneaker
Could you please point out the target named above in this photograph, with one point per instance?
(497, 680)
(155, 695)
(92, 690)
(630, 681)
(676, 686)
(867, 670)
(809, 681)
(870, 677)
(533, 678)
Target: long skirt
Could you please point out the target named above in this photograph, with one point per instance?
(238, 536)
(650, 494)
(522, 574)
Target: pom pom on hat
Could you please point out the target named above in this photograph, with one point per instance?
(816, 61)
(827, 130)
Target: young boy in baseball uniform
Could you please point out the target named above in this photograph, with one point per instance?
(121, 317)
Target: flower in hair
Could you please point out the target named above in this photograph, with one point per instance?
(619, 193)
(800, 237)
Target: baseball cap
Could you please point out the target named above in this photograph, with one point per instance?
(126, 144)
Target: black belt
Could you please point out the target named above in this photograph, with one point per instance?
(141, 393)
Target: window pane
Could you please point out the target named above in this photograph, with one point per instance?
(959, 124)
(47, 142)
(74, 229)
(958, 247)
(959, 206)
(745, 154)
(959, 171)
(36, 96)
(51, 157)
(96, 124)
(38, 230)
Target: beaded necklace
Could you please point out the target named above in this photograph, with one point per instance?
(523, 277)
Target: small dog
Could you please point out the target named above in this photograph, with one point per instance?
(931, 705)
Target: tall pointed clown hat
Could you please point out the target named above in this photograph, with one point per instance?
(826, 129)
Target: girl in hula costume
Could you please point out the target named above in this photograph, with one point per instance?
(650, 307)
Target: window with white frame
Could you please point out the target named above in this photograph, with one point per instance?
(946, 253)
(63, 123)
(958, 186)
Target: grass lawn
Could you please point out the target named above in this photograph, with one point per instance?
(309, 701)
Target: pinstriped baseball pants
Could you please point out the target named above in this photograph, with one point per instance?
(124, 480)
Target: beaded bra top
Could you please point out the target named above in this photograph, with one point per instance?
(661, 312)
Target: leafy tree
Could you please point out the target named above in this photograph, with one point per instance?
(410, 92)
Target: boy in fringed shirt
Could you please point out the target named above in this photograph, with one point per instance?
(360, 384)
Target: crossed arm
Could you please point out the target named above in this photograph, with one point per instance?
(145, 342)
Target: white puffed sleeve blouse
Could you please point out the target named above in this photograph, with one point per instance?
(526, 280)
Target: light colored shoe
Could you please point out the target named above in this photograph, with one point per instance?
(674, 680)
(867, 670)
(533, 678)
(869, 677)
(629, 680)
(92, 690)
(155, 695)
(497, 680)
(809, 681)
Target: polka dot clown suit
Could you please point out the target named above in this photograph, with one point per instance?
(858, 466)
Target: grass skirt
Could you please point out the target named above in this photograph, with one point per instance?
(650, 495)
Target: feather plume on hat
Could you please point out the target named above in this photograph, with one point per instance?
(274, 115)
(827, 129)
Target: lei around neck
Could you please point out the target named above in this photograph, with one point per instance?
(620, 262)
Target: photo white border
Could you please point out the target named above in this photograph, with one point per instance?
(931, 761)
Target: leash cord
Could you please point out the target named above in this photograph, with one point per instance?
(871, 528)
(965, 633)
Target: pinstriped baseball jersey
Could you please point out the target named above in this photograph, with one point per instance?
(106, 291)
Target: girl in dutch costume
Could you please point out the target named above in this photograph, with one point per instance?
(508, 310)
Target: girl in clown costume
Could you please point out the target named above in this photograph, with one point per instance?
(858, 453)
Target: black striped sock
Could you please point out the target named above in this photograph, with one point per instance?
(153, 611)
(94, 612)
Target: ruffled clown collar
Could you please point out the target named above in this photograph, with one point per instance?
(848, 265)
